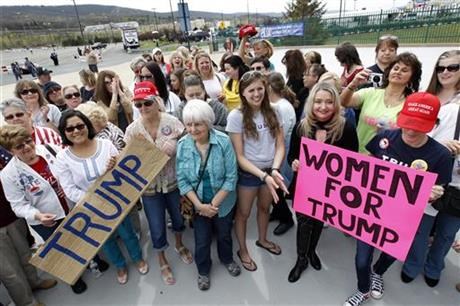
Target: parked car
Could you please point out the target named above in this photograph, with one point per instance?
(98, 45)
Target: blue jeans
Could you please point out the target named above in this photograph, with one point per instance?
(155, 207)
(112, 250)
(445, 229)
(363, 262)
(204, 229)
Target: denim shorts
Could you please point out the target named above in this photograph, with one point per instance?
(247, 179)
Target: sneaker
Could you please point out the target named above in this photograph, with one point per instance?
(376, 286)
(79, 287)
(204, 282)
(357, 299)
(233, 269)
(102, 264)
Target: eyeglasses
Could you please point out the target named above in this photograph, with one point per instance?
(71, 95)
(257, 68)
(54, 90)
(17, 115)
(251, 75)
(21, 146)
(78, 127)
(145, 103)
(145, 77)
(392, 37)
(450, 68)
(27, 91)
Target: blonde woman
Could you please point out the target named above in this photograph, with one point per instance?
(261, 47)
(212, 81)
(88, 79)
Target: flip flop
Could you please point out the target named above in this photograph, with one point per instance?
(142, 269)
(167, 276)
(248, 265)
(272, 248)
(184, 254)
(123, 278)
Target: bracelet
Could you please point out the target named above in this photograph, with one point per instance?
(277, 169)
(350, 88)
(264, 177)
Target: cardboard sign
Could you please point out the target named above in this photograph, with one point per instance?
(373, 200)
(83, 232)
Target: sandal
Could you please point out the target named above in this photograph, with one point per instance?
(142, 267)
(184, 254)
(122, 276)
(272, 247)
(167, 275)
(248, 265)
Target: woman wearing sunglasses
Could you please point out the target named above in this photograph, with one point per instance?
(43, 113)
(78, 166)
(163, 130)
(256, 133)
(445, 84)
(72, 96)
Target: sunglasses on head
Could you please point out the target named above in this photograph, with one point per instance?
(71, 95)
(251, 74)
(392, 37)
(78, 127)
(27, 91)
(17, 115)
(138, 104)
(450, 68)
(21, 146)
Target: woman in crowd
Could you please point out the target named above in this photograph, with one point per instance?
(257, 137)
(177, 61)
(136, 66)
(43, 113)
(260, 64)
(152, 73)
(72, 96)
(114, 98)
(194, 89)
(33, 188)
(323, 122)
(212, 81)
(207, 175)
(163, 130)
(160, 60)
(15, 112)
(312, 57)
(222, 62)
(310, 78)
(234, 69)
(176, 79)
(385, 53)
(445, 84)
(78, 166)
(409, 145)
(185, 53)
(261, 47)
(88, 79)
(295, 69)
(285, 100)
(348, 57)
(380, 106)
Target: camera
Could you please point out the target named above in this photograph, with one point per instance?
(375, 79)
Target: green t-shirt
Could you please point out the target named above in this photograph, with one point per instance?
(375, 116)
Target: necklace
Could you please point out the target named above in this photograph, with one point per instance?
(393, 100)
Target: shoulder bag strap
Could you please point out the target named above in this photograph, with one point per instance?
(457, 128)
(200, 175)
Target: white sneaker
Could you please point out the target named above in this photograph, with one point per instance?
(377, 288)
(357, 299)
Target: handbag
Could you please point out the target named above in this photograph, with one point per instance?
(186, 206)
(449, 203)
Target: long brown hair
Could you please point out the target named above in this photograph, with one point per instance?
(434, 86)
(268, 113)
(411, 60)
(295, 64)
(278, 86)
(101, 93)
(33, 85)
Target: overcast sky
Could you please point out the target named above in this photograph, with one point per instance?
(221, 6)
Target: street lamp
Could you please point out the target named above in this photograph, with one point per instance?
(155, 18)
(79, 23)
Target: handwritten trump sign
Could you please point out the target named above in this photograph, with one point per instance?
(83, 232)
(378, 202)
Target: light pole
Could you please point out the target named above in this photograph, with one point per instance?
(172, 19)
(79, 23)
(155, 18)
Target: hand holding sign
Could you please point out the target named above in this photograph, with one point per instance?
(436, 192)
(321, 136)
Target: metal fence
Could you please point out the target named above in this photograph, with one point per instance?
(423, 25)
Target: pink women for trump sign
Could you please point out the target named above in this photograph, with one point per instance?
(375, 201)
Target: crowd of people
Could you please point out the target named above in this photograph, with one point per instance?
(232, 131)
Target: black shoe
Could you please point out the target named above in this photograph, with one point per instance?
(406, 278)
(315, 262)
(102, 264)
(431, 282)
(300, 266)
(282, 228)
(79, 287)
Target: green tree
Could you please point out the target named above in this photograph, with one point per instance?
(301, 9)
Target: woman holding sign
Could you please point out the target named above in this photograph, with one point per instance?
(78, 166)
(412, 147)
(323, 122)
(257, 137)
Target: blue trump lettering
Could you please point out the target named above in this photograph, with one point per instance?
(52, 244)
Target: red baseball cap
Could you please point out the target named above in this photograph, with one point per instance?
(144, 91)
(420, 112)
(248, 29)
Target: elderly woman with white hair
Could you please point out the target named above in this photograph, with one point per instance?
(207, 174)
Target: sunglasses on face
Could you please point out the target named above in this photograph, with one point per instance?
(145, 77)
(17, 115)
(71, 95)
(257, 68)
(145, 103)
(21, 146)
(450, 68)
(54, 90)
(78, 127)
(27, 91)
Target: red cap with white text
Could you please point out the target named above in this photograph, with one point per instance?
(144, 91)
(420, 112)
